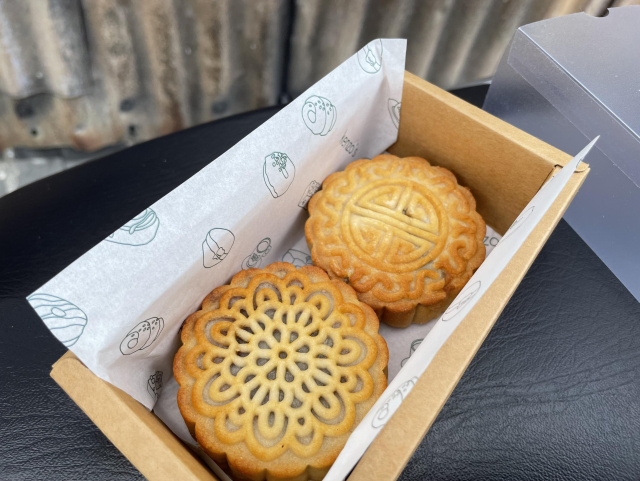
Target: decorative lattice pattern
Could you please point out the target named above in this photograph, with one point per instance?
(281, 363)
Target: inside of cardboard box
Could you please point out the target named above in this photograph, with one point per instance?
(503, 172)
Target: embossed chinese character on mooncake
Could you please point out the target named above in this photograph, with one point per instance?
(404, 234)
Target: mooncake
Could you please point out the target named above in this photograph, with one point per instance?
(403, 233)
(277, 369)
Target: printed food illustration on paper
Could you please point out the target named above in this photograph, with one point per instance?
(297, 258)
(255, 258)
(312, 188)
(412, 349)
(394, 111)
(319, 115)
(370, 56)
(278, 172)
(154, 385)
(139, 231)
(142, 336)
(391, 404)
(216, 246)
(468, 293)
(64, 319)
(519, 221)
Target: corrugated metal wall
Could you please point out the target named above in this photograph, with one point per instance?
(450, 42)
(89, 74)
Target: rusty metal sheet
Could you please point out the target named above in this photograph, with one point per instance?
(91, 73)
(94, 74)
(624, 3)
(450, 42)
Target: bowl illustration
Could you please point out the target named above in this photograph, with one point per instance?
(65, 320)
(216, 246)
(370, 56)
(139, 231)
(319, 115)
(297, 258)
(255, 258)
(278, 172)
(394, 111)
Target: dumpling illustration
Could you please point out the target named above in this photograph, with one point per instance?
(154, 384)
(216, 246)
(297, 258)
(65, 320)
(278, 172)
(255, 259)
(319, 115)
(370, 56)
(394, 111)
(141, 336)
(139, 231)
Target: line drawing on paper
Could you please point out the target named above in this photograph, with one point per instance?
(154, 385)
(468, 293)
(548, 182)
(216, 246)
(278, 172)
(297, 258)
(370, 56)
(319, 115)
(63, 318)
(391, 404)
(142, 336)
(255, 258)
(414, 345)
(312, 188)
(519, 221)
(139, 231)
(394, 111)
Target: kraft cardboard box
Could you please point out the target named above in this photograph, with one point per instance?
(504, 168)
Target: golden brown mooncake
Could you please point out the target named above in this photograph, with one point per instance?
(401, 232)
(276, 371)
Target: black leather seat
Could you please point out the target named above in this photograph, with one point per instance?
(554, 392)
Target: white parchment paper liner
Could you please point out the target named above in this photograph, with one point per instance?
(120, 306)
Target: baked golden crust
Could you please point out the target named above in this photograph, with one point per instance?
(403, 234)
(276, 371)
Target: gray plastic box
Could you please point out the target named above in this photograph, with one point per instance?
(567, 80)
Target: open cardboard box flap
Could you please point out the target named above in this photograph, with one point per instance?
(504, 168)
